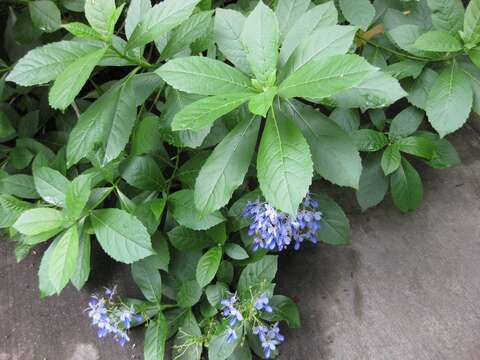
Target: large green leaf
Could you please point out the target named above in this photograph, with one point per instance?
(284, 164)
(99, 13)
(20, 185)
(51, 185)
(203, 113)
(373, 183)
(69, 83)
(225, 169)
(37, 221)
(108, 121)
(450, 101)
(143, 173)
(45, 63)
(334, 226)
(203, 76)
(219, 348)
(63, 259)
(44, 284)
(369, 140)
(260, 36)
(208, 265)
(45, 15)
(82, 267)
(326, 77)
(471, 24)
(189, 294)
(183, 210)
(258, 273)
(121, 235)
(155, 338)
(334, 153)
(136, 11)
(148, 279)
(447, 15)
(358, 12)
(404, 36)
(406, 187)
(10, 209)
(440, 41)
(419, 90)
(288, 12)
(160, 19)
(185, 239)
(406, 122)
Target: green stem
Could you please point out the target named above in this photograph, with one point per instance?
(170, 180)
(134, 61)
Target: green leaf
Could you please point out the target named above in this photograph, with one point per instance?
(347, 119)
(6, 128)
(208, 265)
(185, 239)
(203, 76)
(326, 77)
(189, 294)
(284, 309)
(474, 56)
(236, 252)
(226, 167)
(64, 90)
(36, 221)
(420, 89)
(288, 12)
(418, 146)
(334, 226)
(406, 187)
(284, 164)
(391, 159)
(373, 183)
(183, 210)
(260, 37)
(440, 41)
(260, 272)
(405, 68)
(108, 121)
(20, 157)
(45, 63)
(121, 235)
(160, 19)
(444, 155)
(19, 185)
(201, 114)
(326, 41)
(63, 259)
(143, 173)
(45, 286)
(82, 30)
(334, 153)
(322, 15)
(10, 209)
(228, 28)
(155, 338)
(404, 36)
(471, 24)
(450, 101)
(406, 122)
(447, 15)
(99, 13)
(369, 140)
(261, 103)
(358, 12)
(45, 15)
(219, 348)
(77, 195)
(148, 280)
(51, 185)
(184, 348)
(82, 267)
(135, 13)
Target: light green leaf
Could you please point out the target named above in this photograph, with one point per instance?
(406, 122)
(77, 195)
(369, 140)
(334, 153)
(160, 19)
(121, 235)
(135, 13)
(373, 183)
(358, 12)
(99, 13)
(82, 267)
(148, 280)
(82, 30)
(419, 90)
(143, 173)
(36, 221)
(219, 348)
(155, 338)
(258, 273)
(288, 12)
(440, 41)
(63, 259)
(450, 101)
(45, 15)
(471, 24)
(260, 37)
(225, 169)
(404, 36)
(10, 209)
(405, 68)
(326, 77)
(183, 210)
(69, 83)
(406, 187)
(334, 226)
(447, 15)
(45, 63)
(201, 114)
(261, 103)
(51, 185)
(44, 284)
(236, 252)
(417, 145)
(19, 185)
(284, 164)
(391, 159)
(203, 76)
(208, 265)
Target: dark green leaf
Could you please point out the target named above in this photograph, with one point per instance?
(155, 338)
(208, 265)
(258, 273)
(148, 279)
(391, 159)
(406, 122)
(373, 183)
(369, 140)
(189, 294)
(334, 226)
(406, 187)
(61, 265)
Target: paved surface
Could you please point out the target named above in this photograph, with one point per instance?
(407, 289)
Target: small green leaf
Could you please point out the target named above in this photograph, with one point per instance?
(82, 267)
(471, 24)
(189, 294)
(417, 145)
(406, 122)
(258, 273)
(208, 265)
(334, 226)
(148, 280)
(369, 140)
(261, 103)
(219, 348)
(235, 251)
(185, 239)
(391, 159)
(77, 195)
(36, 221)
(143, 173)
(82, 30)
(406, 187)
(99, 13)
(184, 348)
(358, 12)
(63, 259)
(373, 183)
(19, 185)
(284, 309)
(440, 41)
(444, 155)
(51, 185)
(45, 15)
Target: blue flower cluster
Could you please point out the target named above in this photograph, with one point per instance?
(229, 310)
(275, 230)
(262, 303)
(269, 337)
(110, 316)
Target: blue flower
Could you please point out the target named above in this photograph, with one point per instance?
(229, 310)
(262, 303)
(231, 335)
(269, 337)
(275, 230)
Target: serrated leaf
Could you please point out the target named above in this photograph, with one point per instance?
(258, 273)
(185, 239)
(440, 41)
(471, 24)
(369, 140)
(45, 15)
(36, 221)
(358, 12)
(82, 267)
(82, 30)
(77, 195)
(121, 235)
(447, 15)
(135, 13)
(148, 280)
(288, 12)
(10, 209)
(143, 173)
(63, 259)
(450, 101)
(189, 294)
(208, 265)
(99, 13)
(225, 169)
(406, 187)
(51, 185)
(284, 164)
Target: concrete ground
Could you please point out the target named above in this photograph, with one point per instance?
(408, 288)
